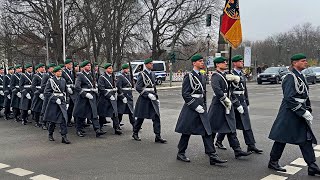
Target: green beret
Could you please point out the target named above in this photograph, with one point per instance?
(10, 67)
(107, 65)
(57, 68)
(237, 58)
(297, 57)
(149, 60)
(61, 65)
(51, 65)
(95, 64)
(18, 66)
(219, 60)
(39, 66)
(196, 57)
(67, 61)
(125, 66)
(75, 63)
(28, 65)
(84, 63)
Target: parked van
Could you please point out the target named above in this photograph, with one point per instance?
(159, 68)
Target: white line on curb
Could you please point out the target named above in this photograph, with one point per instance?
(291, 170)
(299, 162)
(2, 166)
(19, 172)
(43, 177)
(274, 177)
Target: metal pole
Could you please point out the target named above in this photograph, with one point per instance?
(63, 33)
(47, 45)
(170, 67)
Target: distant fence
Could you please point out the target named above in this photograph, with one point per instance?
(178, 77)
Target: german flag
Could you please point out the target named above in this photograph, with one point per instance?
(230, 25)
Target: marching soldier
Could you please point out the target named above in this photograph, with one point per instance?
(125, 97)
(44, 81)
(7, 93)
(69, 76)
(242, 112)
(221, 111)
(56, 110)
(1, 88)
(16, 94)
(86, 103)
(76, 67)
(26, 92)
(294, 120)
(107, 102)
(148, 104)
(193, 119)
(37, 99)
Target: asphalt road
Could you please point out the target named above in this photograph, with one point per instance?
(119, 157)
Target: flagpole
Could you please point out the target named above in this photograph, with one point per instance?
(63, 33)
(229, 68)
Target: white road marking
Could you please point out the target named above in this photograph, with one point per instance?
(299, 162)
(19, 172)
(274, 177)
(2, 166)
(317, 147)
(43, 177)
(291, 170)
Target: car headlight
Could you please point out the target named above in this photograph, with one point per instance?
(258, 75)
(273, 75)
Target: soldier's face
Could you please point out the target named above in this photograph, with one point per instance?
(11, 71)
(125, 70)
(223, 66)
(87, 67)
(29, 70)
(58, 73)
(199, 64)
(19, 70)
(42, 69)
(69, 66)
(1, 71)
(76, 68)
(149, 66)
(109, 70)
(301, 64)
(238, 65)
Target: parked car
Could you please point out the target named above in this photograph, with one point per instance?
(317, 71)
(273, 75)
(310, 75)
(159, 68)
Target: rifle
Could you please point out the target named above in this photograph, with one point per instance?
(73, 68)
(131, 74)
(93, 73)
(23, 66)
(33, 67)
(4, 67)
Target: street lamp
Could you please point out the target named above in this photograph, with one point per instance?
(46, 30)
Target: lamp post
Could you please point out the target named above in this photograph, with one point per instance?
(208, 38)
(46, 30)
(288, 52)
(63, 33)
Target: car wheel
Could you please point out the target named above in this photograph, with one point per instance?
(277, 81)
(159, 81)
(259, 82)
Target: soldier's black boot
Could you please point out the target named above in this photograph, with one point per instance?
(44, 127)
(239, 153)
(254, 149)
(99, 133)
(65, 139)
(275, 166)
(117, 131)
(182, 157)
(159, 139)
(136, 137)
(313, 169)
(80, 134)
(17, 119)
(24, 122)
(220, 145)
(51, 137)
(69, 124)
(215, 159)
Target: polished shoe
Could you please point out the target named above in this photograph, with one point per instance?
(17, 119)
(220, 145)
(107, 122)
(120, 128)
(7, 118)
(37, 125)
(182, 157)
(117, 132)
(136, 137)
(24, 122)
(215, 159)
(51, 138)
(159, 139)
(83, 131)
(80, 134)
(240, 153)
(121, 124)
(89, 122)
(275, 166)
(86, 125)
(44, 127)
(313, 170)
(69, 125)
(254, 149)
(99, 133)
(65, 140)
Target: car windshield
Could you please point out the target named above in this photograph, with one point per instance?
(272, 70)
(316, 69)
(133, 66)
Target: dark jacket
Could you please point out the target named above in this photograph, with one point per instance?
(1, 90)
(7, 90)
(106, 107)
(14, 86)
(44, 81)
(25, 88)
(124, 91)
(37, 102)
(70, 80)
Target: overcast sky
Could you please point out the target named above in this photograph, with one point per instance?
(262, 18)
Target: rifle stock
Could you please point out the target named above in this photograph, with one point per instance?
(131, 74)
(93, 73)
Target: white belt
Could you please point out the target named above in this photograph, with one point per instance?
(149, 89)
(16, 86)
(88, 90)
(1, 86)
(38, 87)
(27, 86)
(70, 85)
(238, 92)
(58, 94)
(109, 90)
(197, 95)
(127, 89)
(300, 100)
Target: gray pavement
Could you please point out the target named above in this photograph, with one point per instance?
(119, 157)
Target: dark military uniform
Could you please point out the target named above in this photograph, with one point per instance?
(125, 91)
(106, 106)
(69, 76)
(289, 126)
(191, 122)
(15, 100)
(7, 95)
(25, 89)
(37, 99)
(1, 92)
(44, 81)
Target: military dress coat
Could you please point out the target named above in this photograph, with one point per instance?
(289, 126)
(194, 94)
(69, 76)
(37, 102)
(25, 88)
(2, 91)
(14, 86)
(124, 91)
(220, 121)
(145, 107)
(44, 81)
(56, 89)
(240, 91)
(106, 107)
(7, 90)
(84, 107)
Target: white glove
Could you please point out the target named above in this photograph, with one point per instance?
(69, 90)
(58, 101)
(200, 109)
(125, 100)
(95, 90)
(308, 116)
(152, 97)
(28, 96)
(1, 93)
(19, 94)
(158, 103)
(89, 96)
(240, 109)
(112, 98)
(227, 103)
(8, 96)
(41, 96)
(234, 78)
